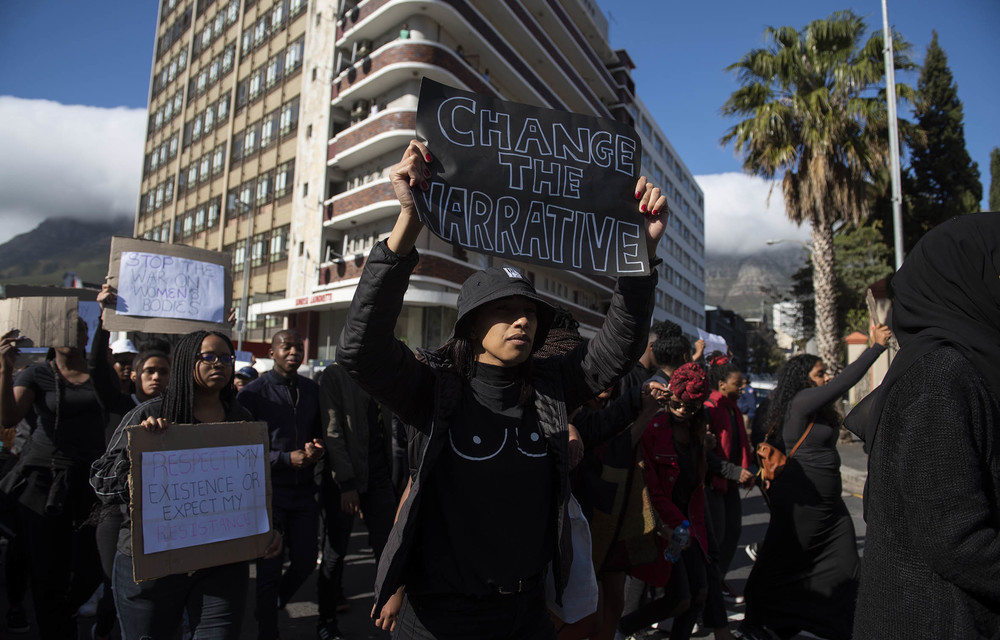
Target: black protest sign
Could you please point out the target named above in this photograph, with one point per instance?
(531, 184)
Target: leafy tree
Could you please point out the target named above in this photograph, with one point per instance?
(814, 111)
(862, 258)
(995, 179)
(945, 179)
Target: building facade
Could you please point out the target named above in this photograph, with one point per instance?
(273, 124)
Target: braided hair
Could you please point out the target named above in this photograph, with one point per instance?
(178, 399)
(792, 378)
(671, 347)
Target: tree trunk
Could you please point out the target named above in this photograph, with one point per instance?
(825, 292)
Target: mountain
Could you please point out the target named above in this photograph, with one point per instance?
(57, 245)
(745, 283)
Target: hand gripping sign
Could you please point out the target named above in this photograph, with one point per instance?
(536, 185)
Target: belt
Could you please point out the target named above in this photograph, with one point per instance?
(518, 586)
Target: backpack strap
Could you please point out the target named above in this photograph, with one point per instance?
(804, 434)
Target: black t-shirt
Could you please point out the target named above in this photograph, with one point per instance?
(486, 519)
(79, 436)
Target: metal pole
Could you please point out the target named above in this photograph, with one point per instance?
(890, 85)
(246, 279)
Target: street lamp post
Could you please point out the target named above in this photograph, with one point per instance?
(241, 323)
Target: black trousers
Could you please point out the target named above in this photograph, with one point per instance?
(296, 513)
(378, 505)
(520, 616)
(62, 555)
(688, 584)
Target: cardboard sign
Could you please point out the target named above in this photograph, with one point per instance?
(48, 321)
(168, 288)
(531, 184)
(200, 496)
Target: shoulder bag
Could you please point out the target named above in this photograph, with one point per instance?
(771, 461)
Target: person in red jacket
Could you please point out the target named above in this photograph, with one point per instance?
(675, 469)
(729, 463)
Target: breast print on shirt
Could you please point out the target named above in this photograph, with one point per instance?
(478, 444)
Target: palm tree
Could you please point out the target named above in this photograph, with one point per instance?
(814, 111)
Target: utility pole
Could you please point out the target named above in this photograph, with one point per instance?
(241, 323)
(890, 86)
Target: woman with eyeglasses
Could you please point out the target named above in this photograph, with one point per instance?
(199, 391)
(675, 470)
(806, 573)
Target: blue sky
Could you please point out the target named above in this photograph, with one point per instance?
(91, 60)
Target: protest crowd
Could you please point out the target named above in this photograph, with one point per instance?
(520, 481)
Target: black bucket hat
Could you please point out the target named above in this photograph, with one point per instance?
(502, 282)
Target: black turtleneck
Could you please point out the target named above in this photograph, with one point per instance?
(488, 511)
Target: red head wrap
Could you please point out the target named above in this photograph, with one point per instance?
(688, 383)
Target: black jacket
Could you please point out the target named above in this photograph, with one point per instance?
(425, 395)
(292, 417)
(344, 406)
(932, 552)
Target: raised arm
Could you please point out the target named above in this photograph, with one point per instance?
(811, 400)
(368, 349)
(622, 338)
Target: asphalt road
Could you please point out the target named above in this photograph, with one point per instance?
(298, 621)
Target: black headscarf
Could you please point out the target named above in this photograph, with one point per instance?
(946, 293)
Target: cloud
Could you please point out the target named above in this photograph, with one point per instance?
(738, 218)
(67, 160)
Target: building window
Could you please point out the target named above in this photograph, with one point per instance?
(250, 140)
(223, 109)
(213, 213)
(293, 57)
(218, 159)
(264, 189)
(239, 256)
(255, 85)
(257, 253)
(266, 131)
(284, 179)
(203, 170)
(199, 219)
(289, 117)
(279, 244)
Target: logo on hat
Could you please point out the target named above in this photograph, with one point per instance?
(513, 273)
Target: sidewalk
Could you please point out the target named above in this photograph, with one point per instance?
(853, 466)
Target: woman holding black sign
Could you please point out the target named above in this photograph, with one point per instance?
(487, 509)
(199, 391)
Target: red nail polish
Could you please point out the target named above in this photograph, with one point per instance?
(427, 173)
(424, 186)
(427, 157)
(642, 208)
(638, 194)
(656, 212)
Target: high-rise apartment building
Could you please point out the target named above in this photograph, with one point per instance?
(273, 124)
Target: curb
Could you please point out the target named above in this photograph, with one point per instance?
(853, 480)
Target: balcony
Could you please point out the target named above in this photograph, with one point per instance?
(360, 206)
(379, 134)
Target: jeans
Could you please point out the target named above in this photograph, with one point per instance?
(296, 513)
(378, 505)
(214, 598)
(521, 616)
